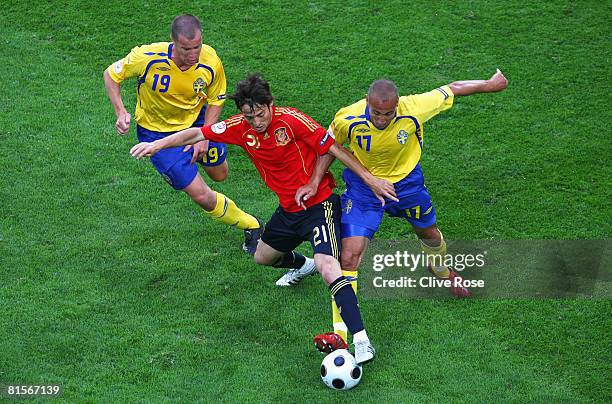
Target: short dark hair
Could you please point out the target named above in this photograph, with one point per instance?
(252, 91)
(186, 25)
(383, 89)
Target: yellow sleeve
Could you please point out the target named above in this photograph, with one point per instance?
(216, 91)
(427, 105)
(130, 66)
(339, 128)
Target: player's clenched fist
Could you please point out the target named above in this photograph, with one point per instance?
(143, 149)
(123, 122)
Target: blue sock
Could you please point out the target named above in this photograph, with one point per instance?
(346, 301)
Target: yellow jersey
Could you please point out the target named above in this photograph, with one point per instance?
(391, 153)
(169, 99)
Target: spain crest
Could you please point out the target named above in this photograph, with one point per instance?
(281, 136)
(199, 85)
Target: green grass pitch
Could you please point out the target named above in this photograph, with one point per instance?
(120, 290)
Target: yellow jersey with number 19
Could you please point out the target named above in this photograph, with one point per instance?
(169, 99)
(391, 153)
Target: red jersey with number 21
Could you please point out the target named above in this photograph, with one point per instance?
(285, 154)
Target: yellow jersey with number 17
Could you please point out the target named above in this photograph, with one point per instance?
(169, 99)
(391, 153)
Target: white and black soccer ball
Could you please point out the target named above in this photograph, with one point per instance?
(339, 370)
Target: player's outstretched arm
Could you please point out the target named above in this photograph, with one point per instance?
(381, 188)
(186, 136)
(305, 192)
(497, 82)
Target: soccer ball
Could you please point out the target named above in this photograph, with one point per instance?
(339, 370)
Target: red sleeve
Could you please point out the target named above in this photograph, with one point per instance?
(227, 131)
(309, 131)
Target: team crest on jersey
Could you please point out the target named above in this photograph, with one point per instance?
(349, 206)
(402, 137)
(281, 136)
(199, 85)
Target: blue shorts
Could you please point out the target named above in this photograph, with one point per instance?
(362, 212)
(174, 164)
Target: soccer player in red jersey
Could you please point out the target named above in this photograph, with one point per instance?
(284, 144)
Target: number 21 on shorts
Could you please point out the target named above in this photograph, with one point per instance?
(319, 235)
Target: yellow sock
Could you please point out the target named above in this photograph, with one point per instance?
(227, 212)
(435, 255)
(338, 323)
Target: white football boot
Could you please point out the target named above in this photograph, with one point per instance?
(294, 276)
(364, 351)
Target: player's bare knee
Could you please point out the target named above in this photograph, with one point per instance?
(218, 173)
(328, 267)
(350, 259)
(429, 235)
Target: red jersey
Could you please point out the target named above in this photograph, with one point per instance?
(285, 154)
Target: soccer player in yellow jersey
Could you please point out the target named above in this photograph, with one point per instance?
(181, 84)
(385, 133)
